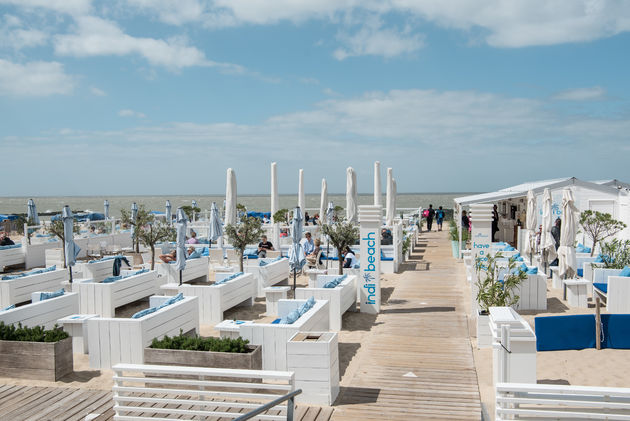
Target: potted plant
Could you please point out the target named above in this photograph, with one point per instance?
(492, 292)
(155, 232)
(341, 234)
(35, 352)
(247, 230)
(143, 217)
(599, 226)
(197, 351)
(454, 236)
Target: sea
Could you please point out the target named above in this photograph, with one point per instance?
(259, 203)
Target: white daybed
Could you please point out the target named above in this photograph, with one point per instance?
(19, 290)
(340, 298)
(11, 255)
(196, 269)
(42, 313)
(274, 272)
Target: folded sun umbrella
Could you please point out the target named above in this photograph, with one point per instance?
(71, 250)
(547, 245)
(390, 209)
(216, 226)
(297, 259)
(230, 198)
(567, 262)
(530, 225)
(180, 263)
(352, 198)
(31, 212)
(323, 201)
(106, 208)
(169, 212)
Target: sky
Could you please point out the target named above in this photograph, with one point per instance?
(161, 97)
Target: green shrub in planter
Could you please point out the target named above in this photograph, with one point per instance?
(197, 343)
(492, 292)
(31, 334)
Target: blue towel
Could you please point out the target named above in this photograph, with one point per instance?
(47, 295)
(559, 333)
(603, 287)
(144, 312)
(228, 278)
(11, 307)
(12, 246)
(625, 271)
(194, 255)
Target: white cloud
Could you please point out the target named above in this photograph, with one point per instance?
(97, 92)
(172, 12)
(36, 78)
(71, 7)
(377, 41)
(14, 35)
(582, 94)
(99, 37)
(131, 113)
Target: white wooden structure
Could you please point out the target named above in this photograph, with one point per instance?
(112, 341)
(99, 269)
(103, 298)
(523, 401)
(215, 299)
(19, 290)
(341, 298)
(141, 392)
(272, 273)
(42, 313)
(11, 256)
(274, 337)
(532, 292)
(314, 358)
(601, 275)
(617, 296)
(196, 270)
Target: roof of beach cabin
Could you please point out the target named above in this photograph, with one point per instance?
(521, 190)
(613, 183)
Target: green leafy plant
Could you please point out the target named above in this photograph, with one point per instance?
(341, 234)
(190, 211)
(197, 343)
(616, 254)
(11, 332)
(599, 226)
(280, 217)
(142, 218)
(406, 244)
(454, 233)
(55, 228)
(246, 231)
(155, 232)
(491, 291)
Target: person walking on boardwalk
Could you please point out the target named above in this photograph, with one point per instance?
(430, 217)
(439, 218)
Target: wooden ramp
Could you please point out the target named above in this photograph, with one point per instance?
(418, 362)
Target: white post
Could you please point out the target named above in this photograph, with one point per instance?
(481, 219)
(458, 224)
(378, 198)
(370, 219)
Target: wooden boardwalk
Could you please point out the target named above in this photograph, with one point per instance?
(417, 362)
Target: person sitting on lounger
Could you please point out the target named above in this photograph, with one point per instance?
(264, 246)
(193, 238)
(169, 257)
(311, 258)
(349, 259)
(5, 240)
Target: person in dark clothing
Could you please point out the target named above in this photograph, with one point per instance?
(5, 240)
(495, 221)
(430, 217)
(439, 218)
(465, 221)
(264, 246)
(555, 233)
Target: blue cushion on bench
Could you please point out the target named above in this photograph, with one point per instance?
(172, 300)
(262, 263)
(11, 307)
(559, 333)
(603, 287)
(111, 279)
(616, 331)
(228, 278)
(532, 271)
(144, 312)
(47, 295)
(625, 271)
(11, 246)
(580, 273)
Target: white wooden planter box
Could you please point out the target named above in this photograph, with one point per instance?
(532, 292)
(98, 270)
(314, 358)
(340, 299)
(42, 313)
(588, 269)
(103, 299)
(617, 298)
(12, 256)
(19, 290)
(196, 269)
(601, 275)
(271, 274)
(112, 341)
(215, 299)
(274, 337)
(484, 335)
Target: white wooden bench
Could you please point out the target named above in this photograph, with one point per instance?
(142, 392)
(103, 298)
(196, 269)
(215, 299)
(274, 337)
(617, 296)
(525, 401)
(99, 269)
(112, 341)
(19, 290)
(601, 275)
(11, 256)
(340, 298)
(272, 273)
(532, 292)
(42, 313)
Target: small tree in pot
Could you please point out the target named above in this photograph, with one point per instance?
(341, 234)
(491, 291)
(247, 231)
(599, 226)
(142, 218)
(155, 232)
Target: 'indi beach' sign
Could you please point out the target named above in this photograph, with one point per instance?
(369, 282)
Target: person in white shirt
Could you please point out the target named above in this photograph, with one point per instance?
(349, 259)
(307, 244)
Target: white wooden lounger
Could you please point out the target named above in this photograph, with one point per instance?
(272, 273)
(215, 299)
(340, 298)
(112, 341)
(196, 269)
(19, 290)
(11, 256)
(42, 313)
(103, 298)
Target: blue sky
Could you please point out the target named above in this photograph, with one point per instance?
(161, 97)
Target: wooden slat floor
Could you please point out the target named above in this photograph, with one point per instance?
(422, 333)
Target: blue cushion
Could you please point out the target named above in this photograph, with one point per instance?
(386, 259)
(508, 248)
(144, 312)
(250, 250)
(616, 331)
(11, 307)
(12, 246)
(303, 308)
(580, 272)
(603, 287)
(251, 256)
(262, 263)
(228, 278)
(532, 271)
(559, 333)
(625, 271)
(194, 255)
(523, 267)
(582, 249)
(311, 301)
(330, 284)
(293, 316)
(275, 322)
(47, 295)
(172, 300)
(205, 251)
(111, 279)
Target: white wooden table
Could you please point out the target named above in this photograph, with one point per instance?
(272, 295)
(231, 328)
(577, 292)
(556, 282)
(312, 276)
(76, 326)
